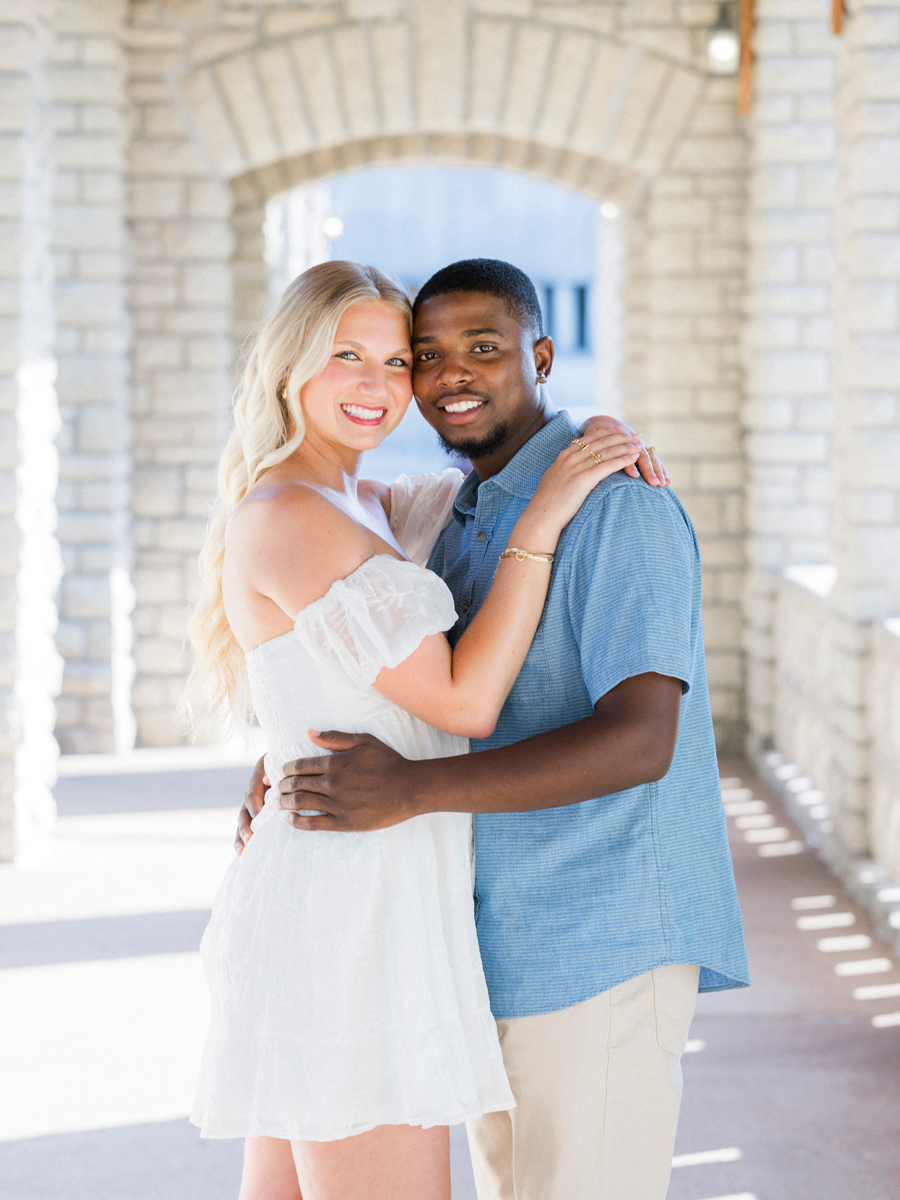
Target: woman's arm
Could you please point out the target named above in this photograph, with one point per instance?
(463, 690)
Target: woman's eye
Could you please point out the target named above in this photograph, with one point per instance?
(397, 362)
(346, 354)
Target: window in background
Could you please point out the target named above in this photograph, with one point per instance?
(582, 336)
(548, 309)
(411, 220)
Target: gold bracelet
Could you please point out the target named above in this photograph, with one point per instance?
(521, 555)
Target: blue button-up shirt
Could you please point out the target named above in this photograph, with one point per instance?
(571, 901)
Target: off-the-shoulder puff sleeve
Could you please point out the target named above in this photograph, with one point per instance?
(376, 617)
(421, 509)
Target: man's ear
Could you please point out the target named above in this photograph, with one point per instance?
(543, 356)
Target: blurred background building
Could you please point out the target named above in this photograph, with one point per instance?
(412, 220)
(730, 279)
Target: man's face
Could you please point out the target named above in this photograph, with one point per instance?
(475, 371)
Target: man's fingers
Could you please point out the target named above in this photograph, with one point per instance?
(325, 822)
(303, 792)
(334, 739)
(244, 832)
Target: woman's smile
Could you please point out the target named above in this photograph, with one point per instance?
(359, 414)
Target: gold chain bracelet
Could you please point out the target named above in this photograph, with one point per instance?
(521, 555)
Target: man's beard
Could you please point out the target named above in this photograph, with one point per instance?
(478, 447)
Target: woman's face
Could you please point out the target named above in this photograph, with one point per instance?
(366, 385)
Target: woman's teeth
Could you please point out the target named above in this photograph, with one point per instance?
(463, 406)
(363, 414)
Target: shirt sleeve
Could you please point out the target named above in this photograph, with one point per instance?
(633, 587)
(376, 617)
(421, 509)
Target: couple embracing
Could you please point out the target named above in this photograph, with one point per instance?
(361, 1001)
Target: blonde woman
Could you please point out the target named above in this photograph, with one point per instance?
(350, 1018)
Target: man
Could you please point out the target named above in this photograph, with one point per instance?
(604, 891)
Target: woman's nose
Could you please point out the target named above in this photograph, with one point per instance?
(374, 383)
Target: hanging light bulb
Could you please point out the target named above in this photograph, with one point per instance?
(723, 49)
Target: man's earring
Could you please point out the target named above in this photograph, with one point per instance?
(542, 378)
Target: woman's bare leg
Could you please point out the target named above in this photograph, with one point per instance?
(269, 1172)
(392, 1162)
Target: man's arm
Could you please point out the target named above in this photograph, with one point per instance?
(628, 741)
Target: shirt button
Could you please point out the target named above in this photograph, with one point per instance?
(464, 608)
(482, 536)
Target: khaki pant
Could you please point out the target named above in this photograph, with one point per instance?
(597, 1089)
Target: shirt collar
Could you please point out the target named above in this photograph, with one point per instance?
(523, 472)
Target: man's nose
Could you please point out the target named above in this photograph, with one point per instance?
(454, 371)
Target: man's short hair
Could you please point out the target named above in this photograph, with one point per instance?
(491, 277)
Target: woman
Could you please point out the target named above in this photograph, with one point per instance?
(350, 1018)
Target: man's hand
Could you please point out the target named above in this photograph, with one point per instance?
(364, 784)
(254, 799)
(374, 785)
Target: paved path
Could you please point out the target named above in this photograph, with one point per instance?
(791, 1093)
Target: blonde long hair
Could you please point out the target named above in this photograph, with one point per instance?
(289, 349)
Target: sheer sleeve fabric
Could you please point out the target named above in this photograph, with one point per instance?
(376, 617)
(421, 509)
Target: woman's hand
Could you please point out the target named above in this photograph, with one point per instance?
(648, 464)
(567, 482)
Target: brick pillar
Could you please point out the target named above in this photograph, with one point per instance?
(29, 420)
(867, 452)
(94, 711)
(181, 306)
(789, 327)
(682, 378)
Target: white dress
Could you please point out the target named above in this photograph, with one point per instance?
(347, 987)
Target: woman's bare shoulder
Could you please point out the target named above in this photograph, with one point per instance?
(292, 543)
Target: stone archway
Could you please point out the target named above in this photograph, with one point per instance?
(569, 92)
(594, 111)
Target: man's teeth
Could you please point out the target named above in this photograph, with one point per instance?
(364, 414)
(463, 406)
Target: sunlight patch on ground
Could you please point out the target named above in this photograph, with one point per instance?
(99, 1044)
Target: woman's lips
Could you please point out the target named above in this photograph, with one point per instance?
(360, 415)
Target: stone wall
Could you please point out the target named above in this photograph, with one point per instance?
(29, 421)
(92, 351)
(883, 706)
(789, 327)
(803, 670)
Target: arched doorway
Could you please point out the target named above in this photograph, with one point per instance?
(559, 97)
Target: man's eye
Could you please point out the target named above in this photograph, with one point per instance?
(483, 348)
(426, 355)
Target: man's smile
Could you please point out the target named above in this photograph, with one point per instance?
(461, 409)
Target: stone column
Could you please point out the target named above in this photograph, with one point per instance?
(94, 711)
(682, 378)
(29, 421)
(181, 287)
(789, 331)
(867, 448)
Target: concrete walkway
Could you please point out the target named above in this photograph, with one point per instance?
(792, 1093)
